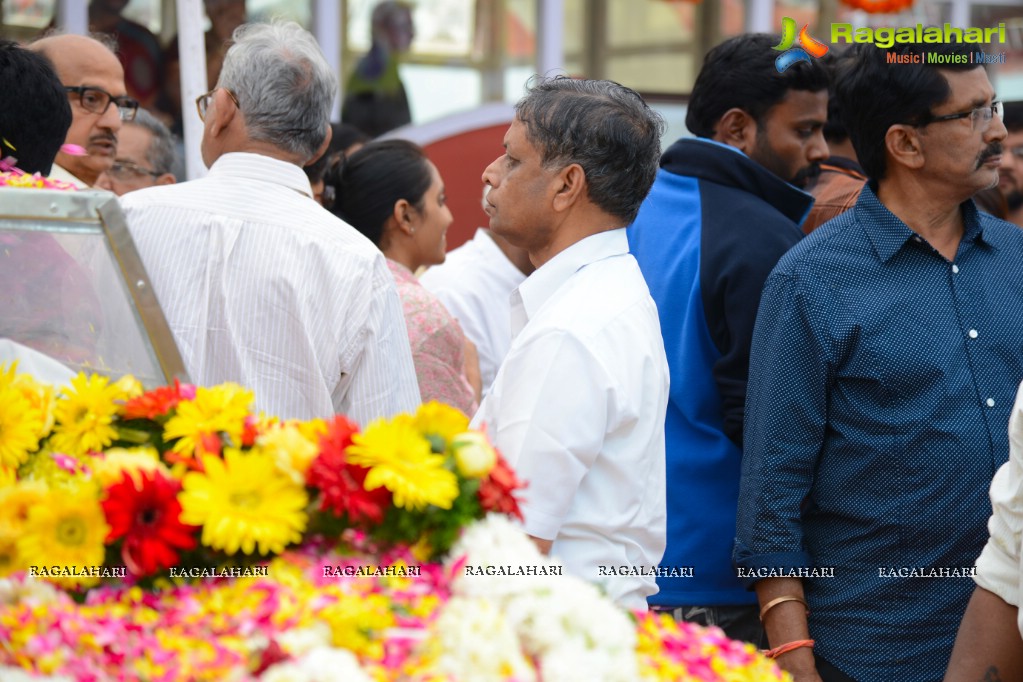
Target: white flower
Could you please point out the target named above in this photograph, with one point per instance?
(323, 664)
(568, 625)
(300, 641)
(9, 674)
(478, 644)
(28, 591)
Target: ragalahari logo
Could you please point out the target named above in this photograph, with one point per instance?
(808, 45)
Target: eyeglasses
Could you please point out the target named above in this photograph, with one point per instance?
(202, 102)
(129, 170)
(98, 100)
(980, 118)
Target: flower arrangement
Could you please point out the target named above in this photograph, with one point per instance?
(108, 481)
(176, 535)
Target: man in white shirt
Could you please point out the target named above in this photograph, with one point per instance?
(474, 283)
(578, 405)
(94, 80)
(261, 285)
(989, 645)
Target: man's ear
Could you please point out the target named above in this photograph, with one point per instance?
(323, 147)
(222, 114)
(904, 146)
(166, 179)
(738, 129)
(570, 187)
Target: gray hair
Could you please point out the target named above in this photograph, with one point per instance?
(284, 86)
(160, 154)
(604, 127)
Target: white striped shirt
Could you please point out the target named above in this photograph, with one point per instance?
(263, 287)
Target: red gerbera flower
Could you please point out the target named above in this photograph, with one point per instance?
(497, 490)
(341, 483)
(158, 402)
(146, 514)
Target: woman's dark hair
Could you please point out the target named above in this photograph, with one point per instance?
(368, 184)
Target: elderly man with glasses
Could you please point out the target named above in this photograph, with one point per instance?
(94, 81)
(145, 156)
(885, 360)
(260, 285)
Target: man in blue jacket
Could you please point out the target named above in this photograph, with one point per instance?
(722, 211)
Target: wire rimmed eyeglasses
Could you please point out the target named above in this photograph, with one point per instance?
(202, 102)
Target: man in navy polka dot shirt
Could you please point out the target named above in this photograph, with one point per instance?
(886, 354)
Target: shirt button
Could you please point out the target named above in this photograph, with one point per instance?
(917, 239)
(955, 269)
(973, 333)
(990, 402)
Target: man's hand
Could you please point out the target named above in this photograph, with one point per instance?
(988, 647)
(543, 545)
(786, 622)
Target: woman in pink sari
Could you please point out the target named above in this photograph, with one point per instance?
(393, 194)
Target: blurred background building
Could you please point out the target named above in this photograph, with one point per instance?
(476, 55)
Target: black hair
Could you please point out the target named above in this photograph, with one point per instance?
(889, 86)
(1013, 116)
(36, 117)
(368, 184)
(604, 127)
(740, 74)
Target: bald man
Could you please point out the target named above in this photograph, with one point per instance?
(94, 81)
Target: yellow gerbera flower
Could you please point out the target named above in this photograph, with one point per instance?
(107, 468)
(437, 419)
(8, 477)
(65, 530)
(85, 415)
(42, 397)
(399, 459)
(20, 427)
(18, 500)
(9, 559)
(242, 501)
(220, 409)
(290, 448)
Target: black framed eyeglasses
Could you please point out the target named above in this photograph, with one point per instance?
(202, 102)
(980, 117)
(98, 100)
(125, 170)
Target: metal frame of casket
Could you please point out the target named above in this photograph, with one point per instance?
(72, 286)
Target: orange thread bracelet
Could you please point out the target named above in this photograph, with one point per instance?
(791, 646)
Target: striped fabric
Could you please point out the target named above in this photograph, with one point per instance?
(263, 287)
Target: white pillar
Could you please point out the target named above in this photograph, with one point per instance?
(192, 50)
(550, 37)
(73, 16)
(960, 15)
(329, 34)
(760, 17)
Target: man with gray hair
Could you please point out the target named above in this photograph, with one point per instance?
(578, 404)
(260, 285)
(145, 156)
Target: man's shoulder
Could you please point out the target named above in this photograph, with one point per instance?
(606, 293)
(261, 218)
